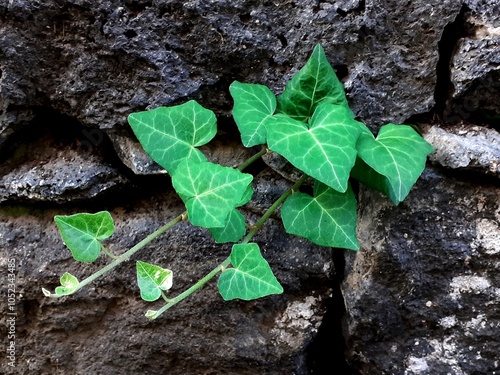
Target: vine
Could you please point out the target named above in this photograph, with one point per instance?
(311, 125)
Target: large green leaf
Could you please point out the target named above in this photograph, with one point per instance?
(152, 280)
(234, 229)
(325, 150)
(83, 232)
(250, 277)
(171, 134)
(210, 191)
(370, 177)
(252, 105)
(315, 83)
(327, 219)
(398, 153)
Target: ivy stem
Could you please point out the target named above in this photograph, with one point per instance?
(126, 256)
(192, 289)
(227, 262)
(259, 224)
(108, 253)
(252, 159)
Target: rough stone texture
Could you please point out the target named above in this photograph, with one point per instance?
(102, 329)
(116, 57)
(421, 296)
(475, 66)
(466, 148)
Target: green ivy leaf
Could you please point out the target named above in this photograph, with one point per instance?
(234, 229)
(399, 154)
(83, 232)
(152, 280)
(325, 150)
(171, 134)
(250, 277)
(327, 219)
(247, 196)
(210, 191)
(369, 177)
(69, 284)
(315, 83)
(253, 104)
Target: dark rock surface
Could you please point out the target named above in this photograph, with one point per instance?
(421, 296)
(102, 330)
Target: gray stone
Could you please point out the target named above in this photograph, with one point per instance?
(474, 67)
(477, 54)
(53, 166)
(99, 62)
(466, 148)
(131, 153)
(70, 176)
(422, 294)
(486, 10)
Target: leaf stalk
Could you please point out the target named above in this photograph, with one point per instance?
(227, 262)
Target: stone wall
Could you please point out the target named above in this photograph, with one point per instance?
(421, 296)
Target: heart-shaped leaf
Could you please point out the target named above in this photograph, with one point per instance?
(210, 191)
(253, 104)
(83, 232)
(327, 219)
(152, 280)
(315, 83)
(325, 150)
(398, 153)
(69, 285)
(171, 134)
(234, 229)
(250, 277)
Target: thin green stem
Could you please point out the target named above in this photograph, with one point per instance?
(192, 289)
(253, 158)
(108, 253)
(126, 256)
(258, 225)
(227, 262)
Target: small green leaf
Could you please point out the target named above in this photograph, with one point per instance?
(83, 232)
(210, 191)
(324, 150)
(315, 83)
(252, 105)
(69, 284)
(171, 134)
(233, 231)
(327, 219)
(250, 277)
(151, 314)
(152, 280)
(398, 153)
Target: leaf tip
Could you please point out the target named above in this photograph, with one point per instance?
(151, 314)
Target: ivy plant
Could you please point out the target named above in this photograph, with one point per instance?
(311, 125)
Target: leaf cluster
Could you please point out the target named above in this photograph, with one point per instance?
(311, 125)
